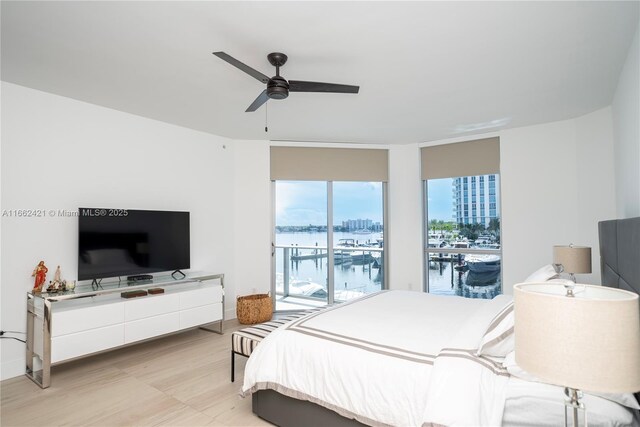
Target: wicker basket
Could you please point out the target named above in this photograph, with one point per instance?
(252, 309)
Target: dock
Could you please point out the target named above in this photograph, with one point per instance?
(303, 257)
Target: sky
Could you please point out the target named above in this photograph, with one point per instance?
(440, 199)
(305, 202)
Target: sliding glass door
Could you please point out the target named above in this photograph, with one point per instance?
(358, 238)
(315, 265)
(300, 249)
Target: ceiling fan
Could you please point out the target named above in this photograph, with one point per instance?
(277, 86)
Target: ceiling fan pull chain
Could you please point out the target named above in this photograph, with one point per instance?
(266, 116)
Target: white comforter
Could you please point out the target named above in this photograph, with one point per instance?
(392, 358)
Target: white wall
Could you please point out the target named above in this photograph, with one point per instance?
(58, 153)
(252, 221)
(405, 242)
(626, 125)
(557, 183)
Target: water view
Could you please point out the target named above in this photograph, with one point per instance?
(307, 269)
(452, 278)
(462, 239)
(358, 262)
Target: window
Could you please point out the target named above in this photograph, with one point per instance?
(358, 238)
(462, 254)
(303, 210)
(328, 236)
(300, 244)
(462, 245)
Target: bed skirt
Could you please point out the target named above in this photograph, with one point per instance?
(286, 411)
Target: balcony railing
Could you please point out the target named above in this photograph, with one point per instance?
(302, 272)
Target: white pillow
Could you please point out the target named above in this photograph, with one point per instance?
(624, 399)
(498, 339)
(543, 274)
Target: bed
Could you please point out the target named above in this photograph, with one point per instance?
(433, 360)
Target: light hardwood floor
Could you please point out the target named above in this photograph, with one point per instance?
(179, 380)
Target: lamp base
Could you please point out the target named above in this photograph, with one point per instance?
(575, 414)
(570, 285)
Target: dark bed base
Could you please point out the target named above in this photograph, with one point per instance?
(286, 411)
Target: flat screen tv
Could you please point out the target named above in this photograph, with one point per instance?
(126, 242)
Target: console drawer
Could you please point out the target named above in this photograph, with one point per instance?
(150, 327)
(82, 343)
(200, 315)
(151, 305)
(199, 297)
(86, 318)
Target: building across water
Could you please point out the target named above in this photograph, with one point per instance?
(475, 199)
(361, 224)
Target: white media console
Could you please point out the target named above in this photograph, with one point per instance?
(91, 319)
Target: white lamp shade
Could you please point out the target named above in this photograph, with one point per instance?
(588, 342)
(574, 259)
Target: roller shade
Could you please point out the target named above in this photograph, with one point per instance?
(478, 157)
(329, 164)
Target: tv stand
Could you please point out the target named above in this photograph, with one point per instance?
(68, 325)
(178, 272)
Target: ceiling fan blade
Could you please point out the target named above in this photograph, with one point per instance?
(261, 99)
(244, 67)
(301, 86)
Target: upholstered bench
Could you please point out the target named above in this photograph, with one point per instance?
(245, 340)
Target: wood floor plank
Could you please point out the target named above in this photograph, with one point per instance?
(178, 380)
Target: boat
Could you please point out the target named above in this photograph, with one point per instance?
(482, 279)
(307, 288)
(443, 257)
(436, 243)
(362, 231)
(483, 263)
(358, 257)
(495, 246)
(346, 243)
(484, 239)
(460, 244)
(378, 260)
(361, 257)
(342, 257)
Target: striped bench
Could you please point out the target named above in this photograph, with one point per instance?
(245, 340)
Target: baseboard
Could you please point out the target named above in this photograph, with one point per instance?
(230, 313)
(12, 369)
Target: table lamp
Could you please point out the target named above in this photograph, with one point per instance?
(588, 341)
(573, 260)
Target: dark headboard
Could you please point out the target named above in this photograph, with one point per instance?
(620, 253)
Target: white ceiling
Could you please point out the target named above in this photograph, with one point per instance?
(426, 70)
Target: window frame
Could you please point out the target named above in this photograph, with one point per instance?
(425, 234)
(330, 231)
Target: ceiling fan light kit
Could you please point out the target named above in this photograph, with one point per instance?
(277, 86)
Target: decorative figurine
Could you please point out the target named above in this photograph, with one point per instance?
(71, 285)
(40, 273)
(57, 284)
